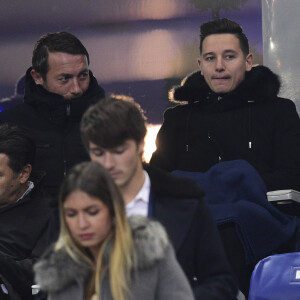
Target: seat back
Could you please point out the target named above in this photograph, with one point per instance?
(276, 277)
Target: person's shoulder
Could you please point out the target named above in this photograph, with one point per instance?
(21, 114)
(38, 194)
(150, 240)
(56, 270)
(279, 107)
(176, 110)
(284, 102)
(167, 184)
(15, 111)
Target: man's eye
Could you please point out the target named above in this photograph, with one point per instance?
(98, 154)
(119, 151)
(209, 58)
(84, 75)
(229, 57)
(63, 79)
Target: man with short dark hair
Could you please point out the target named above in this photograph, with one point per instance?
(59, 87)
(113, 131)
(229, 110)
(24, 212)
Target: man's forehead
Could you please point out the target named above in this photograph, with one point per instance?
(4, 160)
(224, 41)
(93, 146)
(66, 62)
(4, 157)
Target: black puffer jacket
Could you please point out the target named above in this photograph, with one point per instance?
(54, 124)
(250, 123)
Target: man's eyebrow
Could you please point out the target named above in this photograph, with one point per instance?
(224, 52)
(229, 51)
(64, 75)
(208, 53)
(95, 148)
(86, 70)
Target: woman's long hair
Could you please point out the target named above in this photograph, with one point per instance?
(117, 250)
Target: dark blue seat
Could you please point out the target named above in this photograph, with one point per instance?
(276, 277)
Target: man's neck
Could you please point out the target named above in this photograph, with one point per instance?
(134, 186)
(16, 196)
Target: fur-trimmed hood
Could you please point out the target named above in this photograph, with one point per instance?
(260, 84)
(56, 269)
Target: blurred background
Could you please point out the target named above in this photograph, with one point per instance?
(137, 47)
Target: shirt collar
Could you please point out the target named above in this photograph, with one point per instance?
(30, 187)
(142, 196)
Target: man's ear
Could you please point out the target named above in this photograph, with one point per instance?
(25, 173)
(37, 77)
(249, 62)
(199, 63)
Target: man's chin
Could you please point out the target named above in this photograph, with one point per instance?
(69, 98)
(221, 90)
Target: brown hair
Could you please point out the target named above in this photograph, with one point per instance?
(112, 121)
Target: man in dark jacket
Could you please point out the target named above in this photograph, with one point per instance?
(24, 213)
(113, 132)
(231, 112)
(58, 89)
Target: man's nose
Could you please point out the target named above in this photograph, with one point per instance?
(220, 64)
(76, 89)
(109, 162)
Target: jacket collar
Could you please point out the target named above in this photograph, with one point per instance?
(54, 107)
(260, 84)
(166, 184)
(175, 201)
(37, 178)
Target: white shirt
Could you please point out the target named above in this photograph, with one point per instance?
(139, 205)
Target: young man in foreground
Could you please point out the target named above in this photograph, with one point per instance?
(113, 132)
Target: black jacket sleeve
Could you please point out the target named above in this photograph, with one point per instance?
(286, 149)
(166, 144)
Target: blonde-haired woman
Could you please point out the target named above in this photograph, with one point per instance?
(100, 254)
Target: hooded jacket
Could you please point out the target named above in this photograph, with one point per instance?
(157, 275)
(250, 123)
(54, 124)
